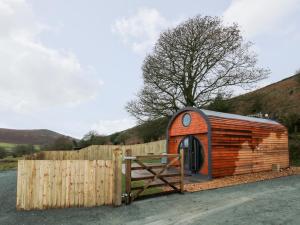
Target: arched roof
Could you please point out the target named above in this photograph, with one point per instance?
(238, 117)
(206, 113)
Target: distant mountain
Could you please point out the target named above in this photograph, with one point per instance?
(34, 137)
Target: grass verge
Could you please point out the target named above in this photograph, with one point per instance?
(9, 163)
(148, 191)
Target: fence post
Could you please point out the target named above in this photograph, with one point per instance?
(128, 176)
(181, 170)
(117, 183)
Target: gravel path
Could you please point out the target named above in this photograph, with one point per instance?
(274, 201)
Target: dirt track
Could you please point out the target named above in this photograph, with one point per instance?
(274, 201)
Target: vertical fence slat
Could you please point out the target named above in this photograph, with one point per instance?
(19, 184)
(181, 170)
(105, 182)
(63, 183)
(71, 186)
(117, 182)
(102, 193)
(128, 176)
(110, 184)
(40, 187)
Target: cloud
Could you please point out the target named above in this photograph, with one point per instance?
(32, 75)
(141, 30)
(256, 16)
(110, 126)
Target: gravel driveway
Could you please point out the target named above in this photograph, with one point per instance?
(274, 201)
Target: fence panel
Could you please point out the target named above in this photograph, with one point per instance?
(102, 152)
(68, 183)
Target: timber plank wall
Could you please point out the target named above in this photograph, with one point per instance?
(236, 144)
(240, 147)
(43, 184)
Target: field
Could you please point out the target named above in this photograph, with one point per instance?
(10, 146)
(9, 163)
(7, 146)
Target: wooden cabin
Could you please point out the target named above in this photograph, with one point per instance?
(221, 144)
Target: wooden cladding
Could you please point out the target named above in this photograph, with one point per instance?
(244, 147)
(235, 145)
(198, 125)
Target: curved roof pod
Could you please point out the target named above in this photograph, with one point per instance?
(232, 142)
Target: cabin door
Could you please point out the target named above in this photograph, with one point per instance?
(193, 157)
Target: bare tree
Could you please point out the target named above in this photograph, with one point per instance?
(191, 64)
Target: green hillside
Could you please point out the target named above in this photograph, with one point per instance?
(10, 137)
(280, 100)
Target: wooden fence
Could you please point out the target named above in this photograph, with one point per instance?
(88, 177)
(155, 147)
(69, 183)
(104, 152)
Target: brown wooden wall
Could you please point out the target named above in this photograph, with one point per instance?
(240, 146)
(198, 128)
(237, 146)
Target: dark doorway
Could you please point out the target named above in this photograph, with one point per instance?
(193, 158)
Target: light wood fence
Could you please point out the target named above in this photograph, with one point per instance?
(69, 183)
(88, 177)
(95, 152)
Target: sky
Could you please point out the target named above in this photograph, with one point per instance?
(71, 66)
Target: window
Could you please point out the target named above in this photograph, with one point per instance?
(186, 119)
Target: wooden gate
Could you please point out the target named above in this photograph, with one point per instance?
(169, 172)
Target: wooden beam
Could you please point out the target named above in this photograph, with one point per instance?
(128, 176)
(181, 170)
(151, 166)
(143, 157)
(154, 173)
(117, 183)
(155, 185)
(151, 177)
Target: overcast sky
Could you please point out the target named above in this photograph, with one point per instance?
(71, 65)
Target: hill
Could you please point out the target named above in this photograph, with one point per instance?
(34, 137)
(146, 132)
(280, 100)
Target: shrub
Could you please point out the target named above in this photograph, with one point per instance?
(294, 148)
(61, 143)
(20, 150)
(291, 121)
(153, 130)
(3, 152)
(220, 104)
